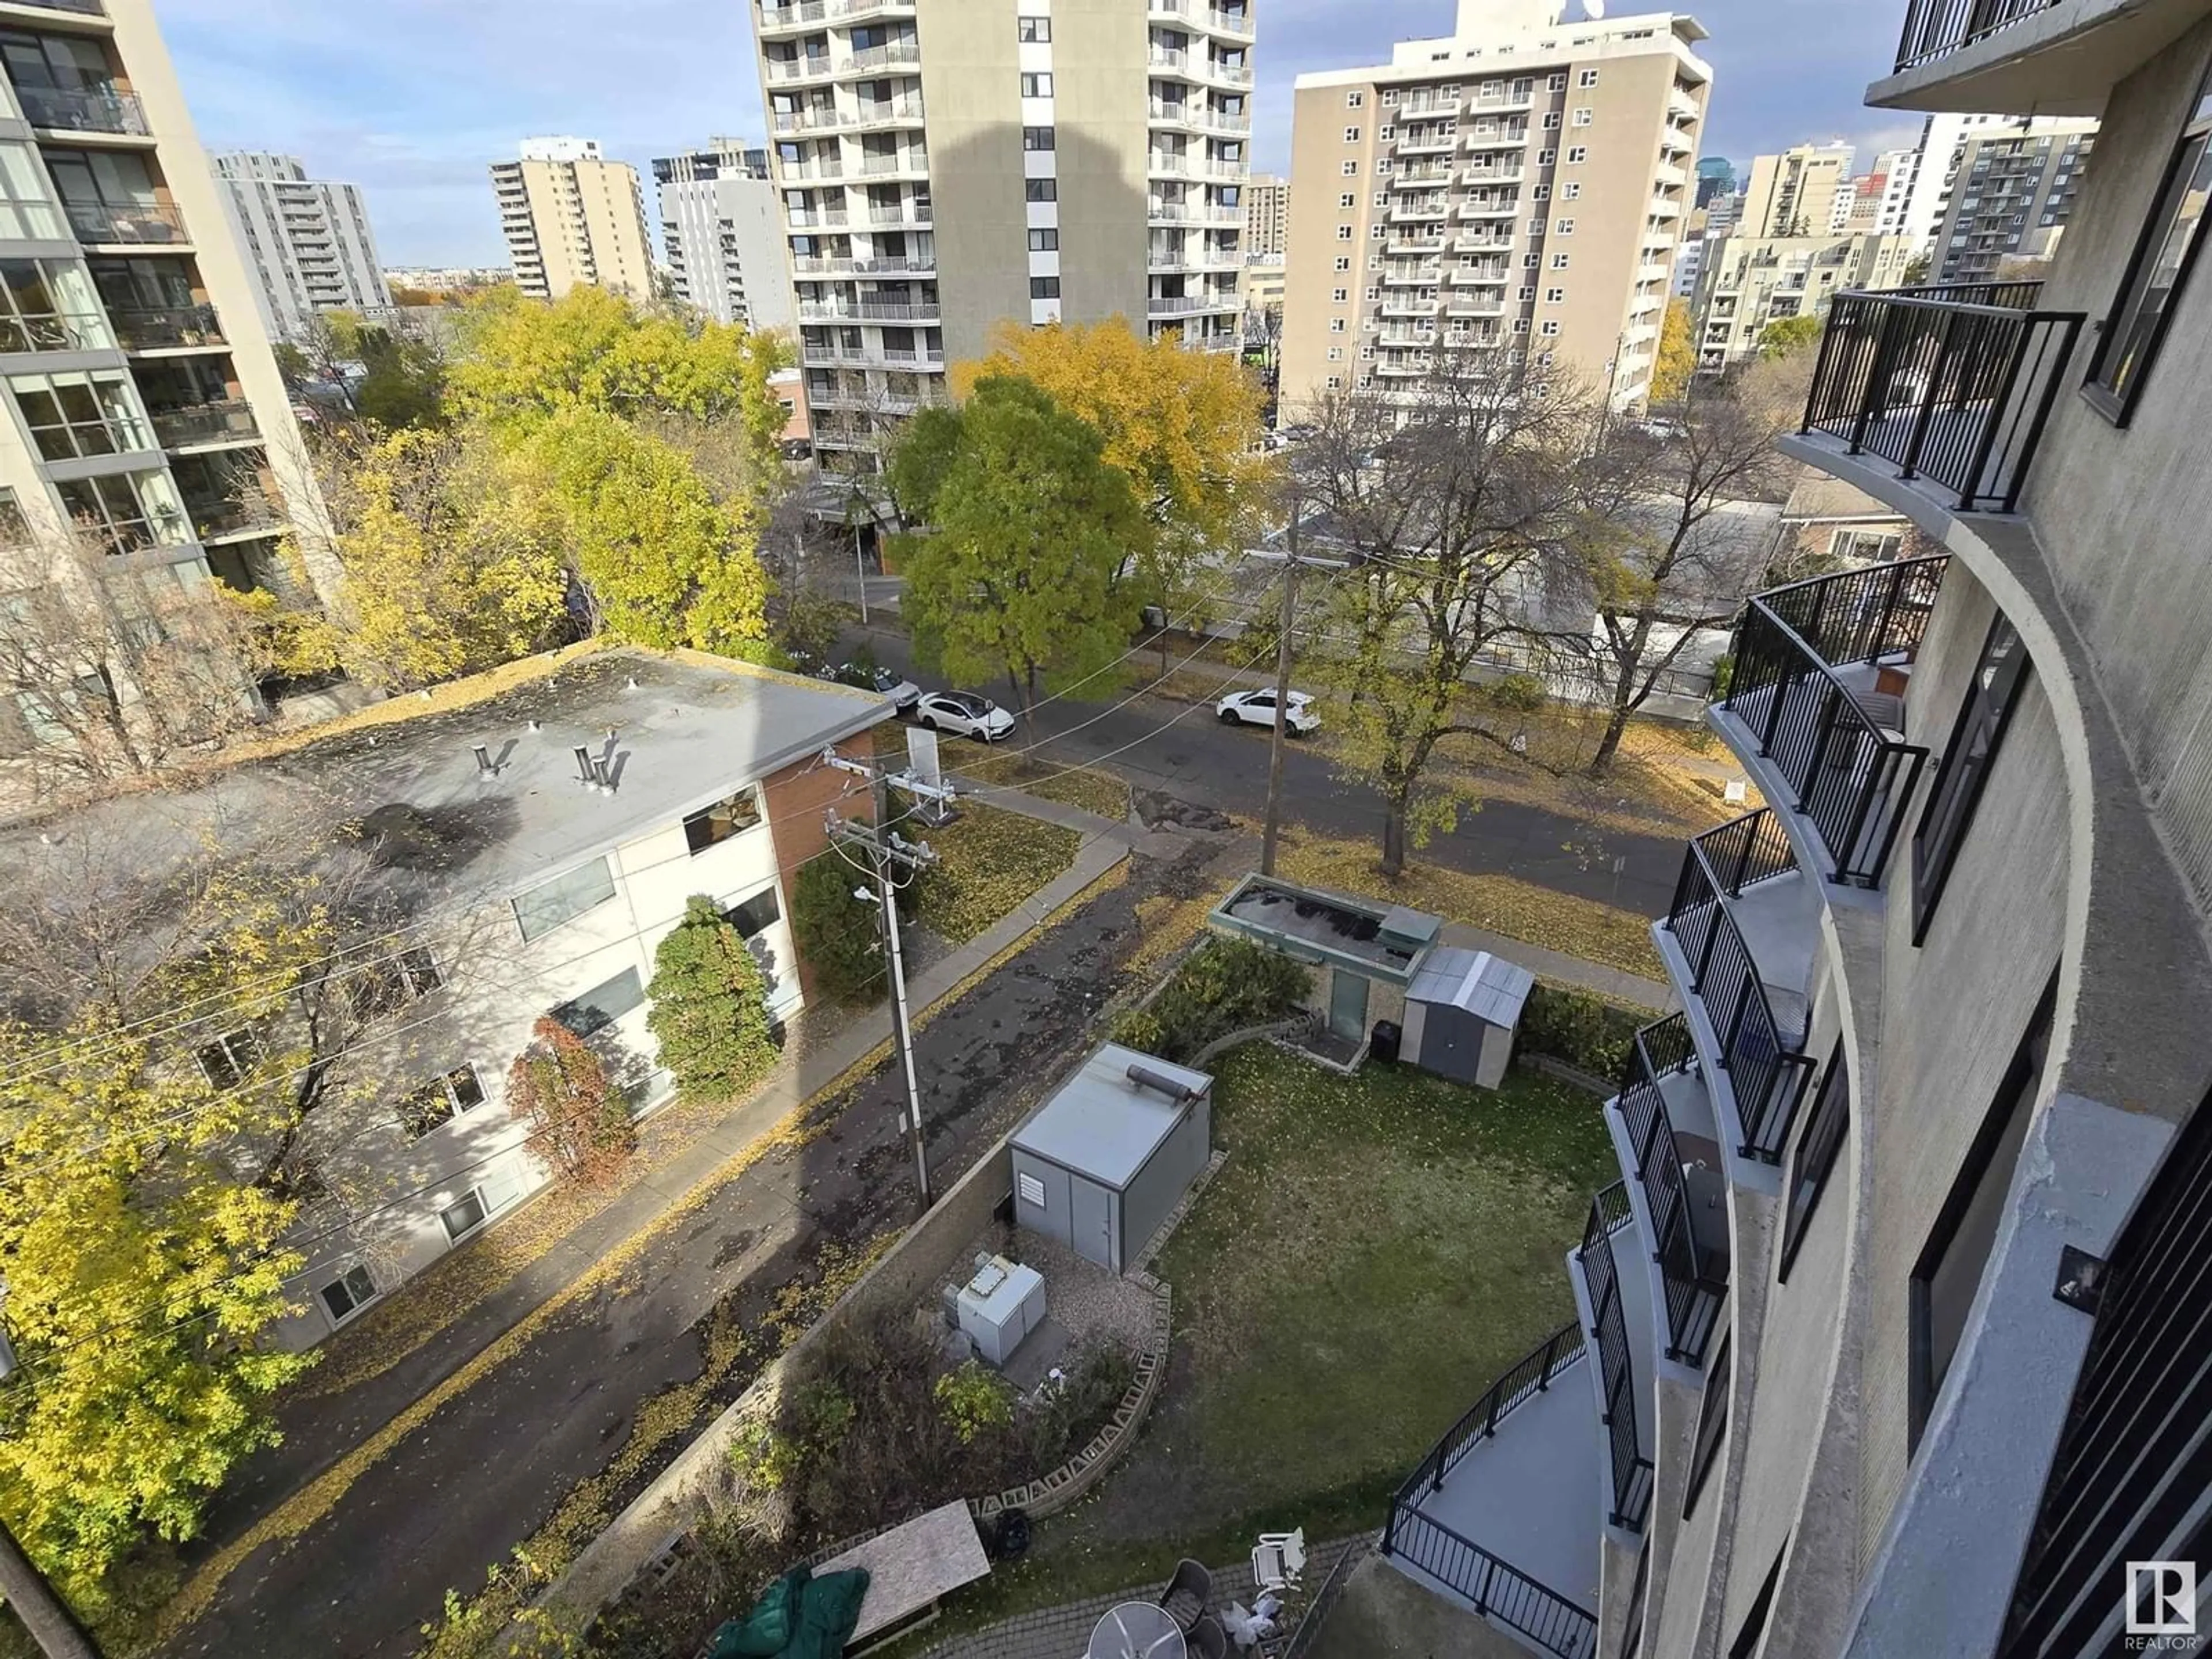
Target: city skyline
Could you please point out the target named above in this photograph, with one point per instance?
(413, 103)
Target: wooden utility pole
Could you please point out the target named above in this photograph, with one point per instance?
(1282, 696)
(44, 1613)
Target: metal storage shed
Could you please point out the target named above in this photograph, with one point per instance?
(1460, 1012)
(1101, 1162)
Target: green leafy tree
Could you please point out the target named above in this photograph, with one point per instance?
(1028, 526)
(838, 935)
(579, 1122)
(710, 1006)
(1787, 336)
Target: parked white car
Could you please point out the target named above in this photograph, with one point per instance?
(1258, 708)
(964, 714)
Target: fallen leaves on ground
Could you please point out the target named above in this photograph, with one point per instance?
(988, 862)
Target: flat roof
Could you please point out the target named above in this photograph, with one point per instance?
(1387, 941)
(677, 732)
(1101, 1125)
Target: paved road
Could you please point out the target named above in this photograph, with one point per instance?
(1198, 759)
(452, 1498)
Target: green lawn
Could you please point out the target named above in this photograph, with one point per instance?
(1376, 1251)
(989, 860)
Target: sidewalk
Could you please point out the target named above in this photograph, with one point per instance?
(342, 1418)
(1561, 968)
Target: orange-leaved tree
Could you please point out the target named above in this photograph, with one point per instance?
(578, 1123)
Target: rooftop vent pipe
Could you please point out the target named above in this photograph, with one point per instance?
(1145, 1078)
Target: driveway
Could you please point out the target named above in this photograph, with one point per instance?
(1196, 758)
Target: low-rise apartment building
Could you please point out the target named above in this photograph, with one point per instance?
(1518, 187)
(523, 854)
(1745, 282)
(1892, 1336)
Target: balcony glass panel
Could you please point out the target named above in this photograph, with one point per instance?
(126, 512)
(47, 305)
(73, 416)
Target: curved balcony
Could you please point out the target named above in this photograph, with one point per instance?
(1951, 386)
(1816, 706)
(1738, 940)
(1617, 1315)
(1680, 1180)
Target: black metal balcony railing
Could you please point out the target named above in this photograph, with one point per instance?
(1631, 1471)
(1529, 1376)
(1950, 384)
(150, 222)
(1764, 1056)
(1934, 30)
(88, 109)
(1695, 1278)
(150, 328)
(249, 512)
(205, 423)
(1851, 770)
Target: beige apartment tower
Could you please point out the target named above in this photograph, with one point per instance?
(571, 216)
(149, 418)
(1266, 217)
(1797, 192)
(1517, 187)
(947, 166)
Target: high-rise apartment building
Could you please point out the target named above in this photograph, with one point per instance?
(724, 236)
(1892, 1339)
(308, 240)
(947, 167)
(1794, 193)
(151, 420)
(572, 216)
(2011, 188)
(1519, 186)
(1745, 282)
(1715, 177)
(1266, 217)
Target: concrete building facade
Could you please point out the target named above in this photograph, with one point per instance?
(1266, 217)
(1517, 187)
(2011, 187)
(723, 237)
(949, 165)
(308, 242)
(571, 216)
(1893, 1329)
(1745, 282)
(147, 419)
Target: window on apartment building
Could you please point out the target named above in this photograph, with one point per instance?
(1588, 77)
(1355, 100)
(1864, 546)
(1042, 190)
(1385, 133)
(27, 209)
(1348, 201)
(1036, 30)
(1546, 157)
(386, 987)
(1352, 135)
(1382, 199)
(1712, 1425)
(1351, 169)
(1754, 1628)
(464, 1217)
(125, 512)
(2165, 254)
(230, 1059)
(1367, 352)
(49, 305)
(1044, 287)
(1037, 138)
(1378, 232)
(1336, 383)
(1339, 296)
(1576, 155)
(1554, 296)
(1044, 241)
(1536, 227)
(1560, 261)
(1390, 96)
(1549, 328)
(1564, 227)
(438, 1102)
(2001, 671)
(1336, 354)
(348, 1294)
(72, 415)
(603, 1004)
(1532, 260)
(1810, 1166)
(1336, 325)
(1036, 86)
(732, 816)
(1949, 1270)
(1520, 324)
(1344, 262)
(754, 917)
(1551, 120)
(1571, 190)
(1527, 296)
(1539, 193)
(1375, 291)
(555, 904)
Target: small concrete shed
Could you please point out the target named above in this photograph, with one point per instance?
(1100, 1164)
(1460, 1012)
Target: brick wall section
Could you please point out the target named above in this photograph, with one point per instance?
(800, 799)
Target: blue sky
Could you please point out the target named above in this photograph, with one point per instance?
(411, 99)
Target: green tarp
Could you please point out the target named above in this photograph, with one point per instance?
(801, 1617)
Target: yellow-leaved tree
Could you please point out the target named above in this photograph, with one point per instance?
(1185, 426)
(1678, 355)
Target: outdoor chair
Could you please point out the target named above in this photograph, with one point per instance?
(1208, 1640)
(1187, 1594)
(1278, 1559)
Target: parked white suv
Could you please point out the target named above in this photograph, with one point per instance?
(1258, 708)
(964, 714)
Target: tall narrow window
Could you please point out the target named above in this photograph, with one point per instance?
(1712, 1426)
(1825, 1127)
(2164, 255)
(1998, 677)
(1949, 1271)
